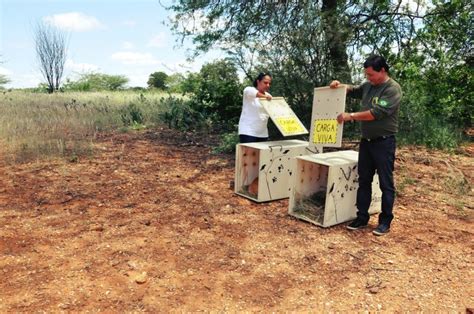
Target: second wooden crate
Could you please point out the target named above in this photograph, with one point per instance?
(324, 188)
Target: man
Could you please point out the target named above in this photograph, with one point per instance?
(380, 102)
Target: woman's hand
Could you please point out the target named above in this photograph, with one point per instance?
(265, 95)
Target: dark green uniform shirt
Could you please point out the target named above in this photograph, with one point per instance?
(383, 101)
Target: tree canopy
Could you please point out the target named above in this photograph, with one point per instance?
(157, 80)
(97, 82)
(317, 34)
(3, 80)
(306, 44)
(218, 93)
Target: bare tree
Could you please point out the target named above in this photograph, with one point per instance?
(51, 46)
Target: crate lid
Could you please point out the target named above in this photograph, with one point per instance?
(333, 158)
(276, 144)
(327, 104)
(283, 116)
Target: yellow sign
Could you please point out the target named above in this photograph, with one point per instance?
(289, 125)
(325, 131)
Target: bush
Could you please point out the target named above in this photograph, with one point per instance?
(179, 114)
(218, 94)
(157, 80)
(431, 132)
(96, 82)
(131, 115)
(227, 143)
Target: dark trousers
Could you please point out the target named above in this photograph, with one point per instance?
(251, 139)
(377, 155)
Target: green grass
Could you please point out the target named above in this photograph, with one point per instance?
(34, 126)
(404, 182)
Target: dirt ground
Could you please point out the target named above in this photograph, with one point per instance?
(149, 223)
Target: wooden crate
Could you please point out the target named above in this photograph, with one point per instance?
(324, 188)
(263, 170)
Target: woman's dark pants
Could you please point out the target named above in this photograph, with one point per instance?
(251, 139)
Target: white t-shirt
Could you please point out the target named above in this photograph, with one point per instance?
(253, 119)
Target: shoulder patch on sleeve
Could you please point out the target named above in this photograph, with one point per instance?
(383, 103)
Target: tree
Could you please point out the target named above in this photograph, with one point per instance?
(190, 83)
(157, 80)
(3, 80)
(174, 82)
(218, 93)
(306, 44)
(51, 50)
(97, 82)
(303, 43)
(439, 66)
(335, 25)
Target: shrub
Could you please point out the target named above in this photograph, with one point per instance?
(218, 94)
(131, 115)
(179, 114)
(96, 82)
(157, 80)
(227, 143)
(431, 132)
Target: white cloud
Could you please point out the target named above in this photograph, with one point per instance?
(416, 6)
(24, 80)
(5, 71)
(139, 76)
(135, 58)
(73, 21)
(31, 79)
(80, 67)
(127, 45)
(138, 79)
(130, 23)
(159, 40)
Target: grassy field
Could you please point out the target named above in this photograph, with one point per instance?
(37, 126)
(34, 125)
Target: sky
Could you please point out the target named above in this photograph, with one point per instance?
(116, 37)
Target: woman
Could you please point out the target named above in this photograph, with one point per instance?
(254, 118)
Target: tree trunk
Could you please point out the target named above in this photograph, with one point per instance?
(336, 36)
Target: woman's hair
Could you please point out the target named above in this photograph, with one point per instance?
(260, 77)
(377, 63)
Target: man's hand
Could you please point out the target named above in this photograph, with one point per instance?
(335, 84)
(344, 117)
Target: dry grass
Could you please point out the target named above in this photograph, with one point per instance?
(35, 126)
